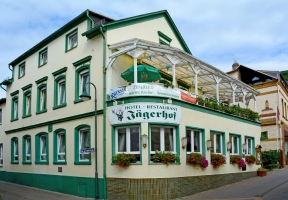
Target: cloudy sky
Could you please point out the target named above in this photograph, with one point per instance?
(252, 32)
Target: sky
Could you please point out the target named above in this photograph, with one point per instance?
(219, 32)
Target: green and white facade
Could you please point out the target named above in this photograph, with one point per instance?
(45, 123)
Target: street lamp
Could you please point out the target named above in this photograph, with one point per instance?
(85, 97)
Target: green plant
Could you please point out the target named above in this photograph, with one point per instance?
(270, 157)
(124, 160)
(165, 157)
(274, 165)
(261, 169)
(235, 159)
(217, 160)
(250, 159)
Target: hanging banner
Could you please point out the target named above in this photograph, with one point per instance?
(144, 112)
(150, 89)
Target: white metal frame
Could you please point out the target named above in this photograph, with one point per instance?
(28, 146)
(61, 86)
(43, 57)
(22, 70)
(128, 150)
(82, 74)
(215, 143)
(16, 150)
(232, 144)
(15, 109)
(61, 137)
(28, 104)
(81, 133)
(249, 141)
(1, 154)
(72, 40)
(41, 147)
(43, 98)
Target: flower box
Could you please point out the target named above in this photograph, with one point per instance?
(261, 173)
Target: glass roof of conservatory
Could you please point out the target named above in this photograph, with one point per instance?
(162, 57)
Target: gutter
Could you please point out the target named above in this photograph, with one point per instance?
(104, 112)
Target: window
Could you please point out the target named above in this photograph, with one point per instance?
(217, 142)
(194, 141)
(43, 57)
(235, 144)
(14, 151)
(82, 78)
(42, 150)
(27, 104)
(71, 40)
(162, 139)
(41, 99)
(14, 109)
(1, 154)
(0, 116)
(60, 146)
(60, 92)
(128, 140)
(26, 149)
(249, 145)
(82, 141)
(264, 135)
(21, 71)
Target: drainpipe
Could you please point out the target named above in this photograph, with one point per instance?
(104, 110)
(2, 87)
(92, 24)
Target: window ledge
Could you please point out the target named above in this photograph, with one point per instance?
(13, 162)
(59, 106)
(42, 64)
(26, 163)
(42, 111)
(12, 120)
(41, 162)
(25, 116)
(139, 163)
(78, 101)
(82, 163)
(160, 163)
(21, 76)
(71, 49)
(60, 163)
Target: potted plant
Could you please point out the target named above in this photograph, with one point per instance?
(250, 159)
(165, 157)
(261, 171)
(197, 159)
(235, 159)
(124, 160)
(217, 160)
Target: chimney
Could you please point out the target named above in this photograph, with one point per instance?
(235, 65)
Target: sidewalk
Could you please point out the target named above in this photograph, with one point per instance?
(274, 186)
(10, 191)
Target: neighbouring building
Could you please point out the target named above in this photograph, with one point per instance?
(273, 90)
(48, 132)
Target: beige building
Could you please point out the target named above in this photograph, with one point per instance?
(51, 140)
(273, 92)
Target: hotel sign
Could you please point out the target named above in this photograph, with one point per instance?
(144, 112)
(148, 89)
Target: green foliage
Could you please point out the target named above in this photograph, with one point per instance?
(261, 169)
(263, 136)
(235, 159)
(250, 159)
(270, 157)
(165, 157)
(194, 158)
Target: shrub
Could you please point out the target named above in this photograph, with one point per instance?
(270, 157)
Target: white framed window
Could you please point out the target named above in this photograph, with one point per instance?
(235, 145)
(28, 104)
(61, 146)
(61, 92)
(249, 146)
(15, 144)
(28, 149)
(43, 57)
(15, 114)
(43, 148)
(84, 142)
(83, 80)
(72, 40)
(128, 140)
(163, 138)
(1, 154)
(194, 141)
(216, 141)
(43, 97)
(21, 70)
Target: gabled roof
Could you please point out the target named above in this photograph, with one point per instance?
(138, 19)
(74, 22)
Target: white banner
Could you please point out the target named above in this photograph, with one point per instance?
(144, 112)
(150, 89)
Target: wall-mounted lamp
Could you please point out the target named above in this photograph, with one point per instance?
(184, 142)
(244, 147)
(208, 143)
(144, 140)
(229, 146)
